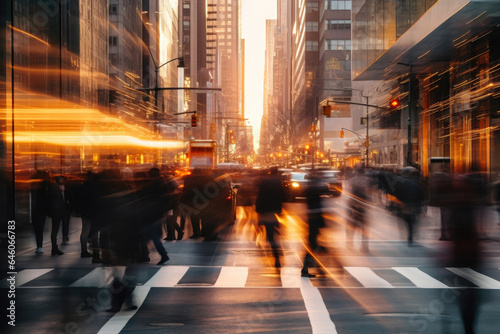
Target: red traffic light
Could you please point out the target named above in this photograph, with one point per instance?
(193, 121)
(394, 103)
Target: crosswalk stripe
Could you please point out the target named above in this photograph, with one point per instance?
(96, 278)
(27, 275)
(419, 278)
(290, 277)
(368, 278)
(478, 279)
(319, 316)
(120, 319)
(232, 277)
(167, 277)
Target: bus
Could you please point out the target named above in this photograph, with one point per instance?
(202, 153)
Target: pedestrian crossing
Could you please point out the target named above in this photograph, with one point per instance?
(241, 277)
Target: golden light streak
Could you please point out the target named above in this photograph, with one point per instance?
(96, 139)
(368, 306)
(476, 17)
(28, 34)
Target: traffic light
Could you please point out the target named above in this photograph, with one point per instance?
(193, 121)
(307, 147)
(394, 103)
(341, 133)
(327, 110)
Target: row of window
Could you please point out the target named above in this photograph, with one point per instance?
(338, 4)
(330, 25)
(330, 44)
(213, 44)
(311, 26)
(338, 44)
(338, 24)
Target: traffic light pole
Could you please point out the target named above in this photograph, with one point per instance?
(409, 158)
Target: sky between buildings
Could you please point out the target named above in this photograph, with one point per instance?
(254, 14)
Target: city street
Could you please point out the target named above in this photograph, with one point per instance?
(231, 285)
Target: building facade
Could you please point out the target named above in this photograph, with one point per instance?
(441, 60)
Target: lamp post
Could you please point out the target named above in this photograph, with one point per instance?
(157, 69)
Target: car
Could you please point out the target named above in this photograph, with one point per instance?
(295, 184)
(333, 181)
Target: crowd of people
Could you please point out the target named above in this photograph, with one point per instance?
(121, 211)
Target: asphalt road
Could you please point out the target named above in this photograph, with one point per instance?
(231, 286)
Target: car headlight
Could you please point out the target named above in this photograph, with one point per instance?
(295, 185)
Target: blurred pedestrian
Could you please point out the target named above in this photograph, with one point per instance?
(410, 194)
(465, 216)
(85, 197)
(315, 220)
(359, 197)
(122, 236)
(59, 211)
(153, 199)
(172, 208)
(39, 202)
(193, 201)
(440, 195)
(269, 201)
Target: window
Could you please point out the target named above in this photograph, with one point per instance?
(113, 40)
(113, 9)
(311, 26)
(113, 58)
(338, 44)
(338, 5)
(311, 46)
(338, 24)
(311, 7)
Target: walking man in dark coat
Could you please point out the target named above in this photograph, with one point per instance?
(268, 204)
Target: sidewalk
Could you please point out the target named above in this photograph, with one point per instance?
(25, 237)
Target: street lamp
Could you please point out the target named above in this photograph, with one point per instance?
(157, 69)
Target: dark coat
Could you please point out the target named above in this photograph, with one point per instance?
(270, 195)
(153, 200)
(39, 198)
(58, 204)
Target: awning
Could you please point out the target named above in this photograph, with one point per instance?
(435, 36)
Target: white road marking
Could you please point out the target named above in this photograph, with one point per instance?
(478, 279)
(167, 277)
(96, 278)
(120, 319)
(419, 278)
(232, 277)
(368, 278)
(25, 276)
(290, 277)
(319, 316)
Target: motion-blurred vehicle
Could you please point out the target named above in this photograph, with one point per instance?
(333, 181)
(296, 183)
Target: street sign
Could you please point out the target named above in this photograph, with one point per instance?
(340, 110)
